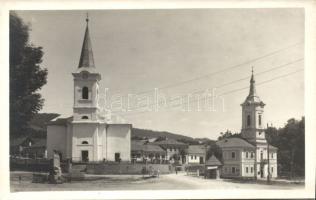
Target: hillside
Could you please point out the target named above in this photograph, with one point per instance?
(38, 126)
(144, 133)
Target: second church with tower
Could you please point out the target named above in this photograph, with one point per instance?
(249, 155)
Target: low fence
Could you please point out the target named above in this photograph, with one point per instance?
(127, 168)
(28, 164)
(34, 165)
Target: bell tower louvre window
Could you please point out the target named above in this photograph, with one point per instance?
(85, 93)
(248, 120)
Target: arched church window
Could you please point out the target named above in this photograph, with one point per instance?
(259, 120)
(84, 117)
(85, 93)
(248, 120)
(84, 142)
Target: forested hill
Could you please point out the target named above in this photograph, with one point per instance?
(38, 124)
(138, 133)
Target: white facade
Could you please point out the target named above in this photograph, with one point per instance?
(195, 159)
(87, 136)
(248, 156)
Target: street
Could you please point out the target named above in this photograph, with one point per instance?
(178, 181)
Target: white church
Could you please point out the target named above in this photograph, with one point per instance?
(87, 135)
(249, 155)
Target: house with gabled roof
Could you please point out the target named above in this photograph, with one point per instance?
(146, 152)
(196, 154)
(175, 150)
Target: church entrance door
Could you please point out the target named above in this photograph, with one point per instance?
(117, 157)
(84, 156)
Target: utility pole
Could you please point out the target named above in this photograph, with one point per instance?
(255, 165)
(268, 151)
(205, 148)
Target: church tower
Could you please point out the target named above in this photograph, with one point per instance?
(253, 116)
(86, 84)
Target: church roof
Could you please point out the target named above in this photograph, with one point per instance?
(252, 96)
(234, 142)
(60, 121)
(86, 57)
(239, 143)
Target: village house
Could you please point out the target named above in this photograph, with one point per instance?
(144, 152)
(87, 135)
(195, 154)
(249, 155)
(175, 150)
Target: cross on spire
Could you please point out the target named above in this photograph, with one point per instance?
(87, 18)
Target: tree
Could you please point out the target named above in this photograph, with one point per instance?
(216, 151)
(26, 77)
(290, 141)
(228, 134)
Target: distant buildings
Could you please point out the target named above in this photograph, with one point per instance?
(143, 152)
(250, 155)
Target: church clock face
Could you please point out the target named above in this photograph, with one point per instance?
(85, 75)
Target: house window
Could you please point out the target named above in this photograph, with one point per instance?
(246, 154)
(248, 120)
(84, 142)
(251, 169)
(251, 155)
(246, 169)
(84, 117)
(191, 157)
(233, 170)
(271, 155)
(195, 157)
(233, 155)
(259, 120)
(85, 93)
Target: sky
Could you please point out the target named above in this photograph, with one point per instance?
(179, 52)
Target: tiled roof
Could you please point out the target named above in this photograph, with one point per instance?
(234, 142)
(238, 142)
(142, 147)
(169, 142)
(196, 149)
(213, 161)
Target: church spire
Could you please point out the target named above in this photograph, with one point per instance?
(252, 91)
(86, 57)
(252, 96)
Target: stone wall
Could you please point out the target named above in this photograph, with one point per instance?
(126, 168)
